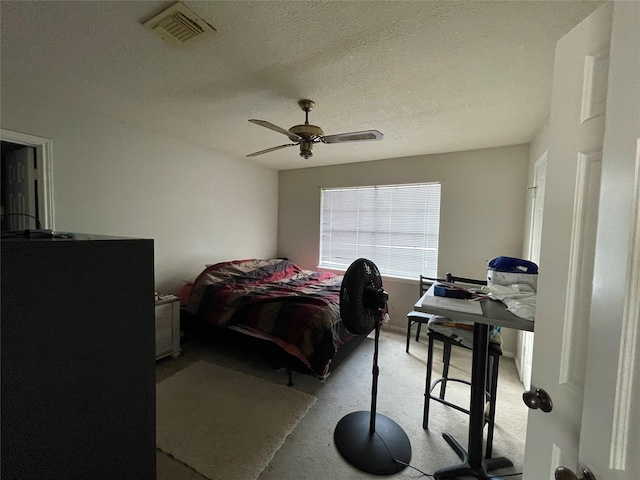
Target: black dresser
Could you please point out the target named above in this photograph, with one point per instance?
(78, 359)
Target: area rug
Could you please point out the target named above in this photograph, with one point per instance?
(225, 424)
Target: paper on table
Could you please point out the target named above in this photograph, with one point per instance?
(454, 304)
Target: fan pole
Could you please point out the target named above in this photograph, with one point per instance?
(374, 384)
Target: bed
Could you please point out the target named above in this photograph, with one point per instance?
(276, 301)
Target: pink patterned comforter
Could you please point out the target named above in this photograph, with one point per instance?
(276, 300)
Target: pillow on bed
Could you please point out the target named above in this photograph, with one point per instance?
(207, 265)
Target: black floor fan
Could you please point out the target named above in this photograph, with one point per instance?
(369, 441)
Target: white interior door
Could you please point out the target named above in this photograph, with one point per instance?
(588, 311)
(568, 242)
(610, 433)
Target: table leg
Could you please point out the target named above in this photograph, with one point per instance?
(473, 464)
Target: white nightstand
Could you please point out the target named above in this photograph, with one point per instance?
(167, 326)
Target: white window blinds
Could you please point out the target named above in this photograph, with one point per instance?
(395, 226)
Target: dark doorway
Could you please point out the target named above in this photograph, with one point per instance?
(19, 205)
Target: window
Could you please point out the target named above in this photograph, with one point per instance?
(395, 226)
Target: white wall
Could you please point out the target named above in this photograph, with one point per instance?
(111, 178)
(482, 211)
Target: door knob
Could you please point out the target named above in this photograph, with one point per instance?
(563, 473)
(538, 398)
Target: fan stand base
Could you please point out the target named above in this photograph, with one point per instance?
(375, 452)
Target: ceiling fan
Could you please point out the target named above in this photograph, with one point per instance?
(306, 135)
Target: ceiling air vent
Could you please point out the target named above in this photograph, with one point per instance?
(179, 25)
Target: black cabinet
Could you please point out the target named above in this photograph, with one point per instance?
(78, 359)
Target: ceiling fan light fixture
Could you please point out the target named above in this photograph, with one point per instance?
(305, 150)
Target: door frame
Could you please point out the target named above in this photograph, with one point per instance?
(524, 354)
(43, 147)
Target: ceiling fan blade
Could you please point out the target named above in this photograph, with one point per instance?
(353, 137)
(292, 136)
(272, 149)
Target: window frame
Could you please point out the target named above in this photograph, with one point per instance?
(426, 245)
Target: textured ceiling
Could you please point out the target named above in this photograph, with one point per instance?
(433, 76)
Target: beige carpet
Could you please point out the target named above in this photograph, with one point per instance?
(309, 451)
(223, 423)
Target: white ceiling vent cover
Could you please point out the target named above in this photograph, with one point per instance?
(179, 25)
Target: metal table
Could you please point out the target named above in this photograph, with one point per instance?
(493, 313)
